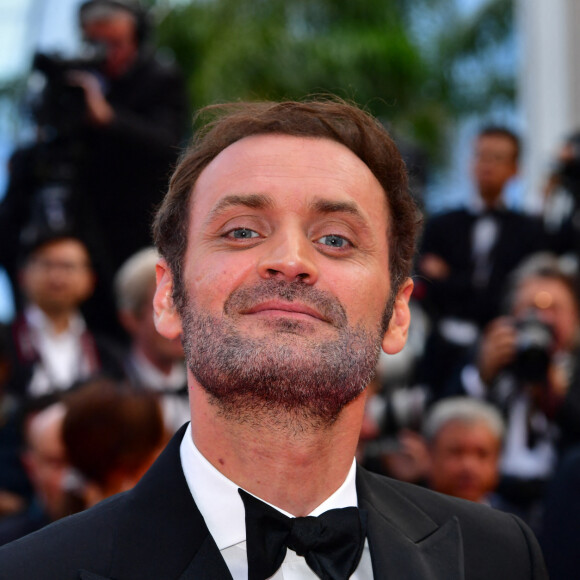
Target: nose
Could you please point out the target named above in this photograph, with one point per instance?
(289, 256)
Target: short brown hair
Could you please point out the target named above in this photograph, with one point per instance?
(505, 133)
(108, 426)
(327, 118)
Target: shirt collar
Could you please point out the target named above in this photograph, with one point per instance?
(476, 206)
(220, 504)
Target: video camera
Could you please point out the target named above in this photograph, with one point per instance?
(61, 105)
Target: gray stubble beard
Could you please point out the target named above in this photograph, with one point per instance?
(287, 378)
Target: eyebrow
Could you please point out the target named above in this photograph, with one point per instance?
(328, 207)
(252, 201)
(261, 201)
(325, 206)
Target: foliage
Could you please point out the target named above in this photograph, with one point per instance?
(371, 51)
(478, 74)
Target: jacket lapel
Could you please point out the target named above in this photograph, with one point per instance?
(405, 543)
(162, 534)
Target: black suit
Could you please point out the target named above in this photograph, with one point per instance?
(155, 532)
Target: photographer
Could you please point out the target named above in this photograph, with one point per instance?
(108, 134)
(466, 256)
(527, 364)
(562, 193)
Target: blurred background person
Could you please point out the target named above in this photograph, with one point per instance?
(13, 481)
(108, 128)
(560, 535)
(111, 436)
(527, 365)
(464, 439)
(136, 112)
(52, 346)
(562, 193)
(44, 459)
(466, 255)
(152, 361)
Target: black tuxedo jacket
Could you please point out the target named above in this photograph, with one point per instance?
(449, 236)
(156, 532)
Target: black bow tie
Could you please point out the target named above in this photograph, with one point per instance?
(332, 543)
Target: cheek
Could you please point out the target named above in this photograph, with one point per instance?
(569, 325)
(454, 465)
(218, 276)
(364, 294)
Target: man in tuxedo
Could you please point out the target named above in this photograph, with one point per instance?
(466, 256)
(286, 239)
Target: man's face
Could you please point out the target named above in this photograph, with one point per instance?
(464, 460)
(554, 305)
(118, 35)
(287, 276)
(58, 276)
(45, 459)
(494, 164)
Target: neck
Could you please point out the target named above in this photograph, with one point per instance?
(60, 320)
(291, 465)
(491, 198)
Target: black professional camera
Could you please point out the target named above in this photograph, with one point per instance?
(568, 171)
(534, 344)
(60, 105)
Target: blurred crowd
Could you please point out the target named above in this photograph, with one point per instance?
(89, 391)
(483, 403)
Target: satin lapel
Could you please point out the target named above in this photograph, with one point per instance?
(405, 542)
(163, 534)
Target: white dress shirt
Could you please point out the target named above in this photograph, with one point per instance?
(221, 506)
(62, 360)
(175, 408)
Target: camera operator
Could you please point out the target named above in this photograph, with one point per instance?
(136, 117)
(108, 135)
(527, 364)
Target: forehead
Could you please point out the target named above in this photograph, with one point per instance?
(500, 143)
(66, 247)
(463, 430)
(533, 291)
(289, 169)
(119, 23)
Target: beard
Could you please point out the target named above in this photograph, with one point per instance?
(288, 374)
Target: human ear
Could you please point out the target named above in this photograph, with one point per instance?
(86, 286)
(167, 320)
(128, 321)
(396, 335)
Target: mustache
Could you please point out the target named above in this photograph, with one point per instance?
(323, 302)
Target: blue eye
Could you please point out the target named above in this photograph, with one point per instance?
(333, 241)
(243, 234)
